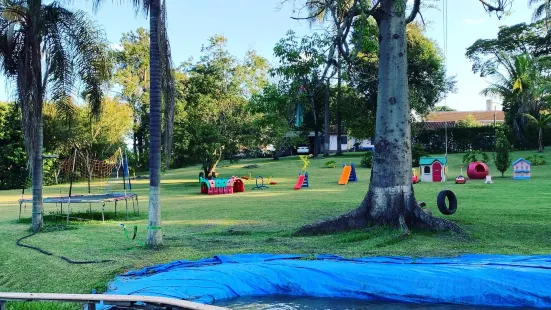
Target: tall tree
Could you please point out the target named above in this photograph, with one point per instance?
(542, 122)
(542, 10)
(49, 48)
(132, 73)
(219, 89)
(162, 88)
(502, 156)
(390, 199)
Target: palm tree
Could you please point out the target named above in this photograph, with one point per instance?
(542, 11)
(542, 122)
(47, 49)
(162, 87)
(517, 85)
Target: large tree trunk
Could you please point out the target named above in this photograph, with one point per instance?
(326, 124)
(154, 233)
(390, 199)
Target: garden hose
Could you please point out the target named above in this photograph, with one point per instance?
(62, 257)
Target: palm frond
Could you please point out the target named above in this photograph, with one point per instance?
(86, 55)
(167, 84)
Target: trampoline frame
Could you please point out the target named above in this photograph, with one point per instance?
(100, 198)
(89, 198)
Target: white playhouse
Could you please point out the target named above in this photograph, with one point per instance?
(433, 169)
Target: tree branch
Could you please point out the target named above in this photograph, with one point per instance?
(414, 11)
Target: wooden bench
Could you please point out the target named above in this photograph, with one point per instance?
(115, 300)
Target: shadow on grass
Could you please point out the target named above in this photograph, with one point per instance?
(83, 217)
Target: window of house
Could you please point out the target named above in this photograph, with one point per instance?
(344, 139)
(426, 169)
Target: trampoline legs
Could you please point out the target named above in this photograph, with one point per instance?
(138, 204)
(115, 208)
(102, 216)
(126, 202)
(20, 211)
(133, 206)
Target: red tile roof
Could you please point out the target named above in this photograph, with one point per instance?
(481, 116)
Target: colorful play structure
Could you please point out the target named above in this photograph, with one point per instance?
(261, 185)
(348, 174)
(414, 176)
(477, 170)
(460, 178)
(302, 181)
(521, 169)
(221, 186)
(433, 169)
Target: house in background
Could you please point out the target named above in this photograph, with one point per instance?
(437, 120)
(347, 142)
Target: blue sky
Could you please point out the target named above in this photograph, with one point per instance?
(258, 25)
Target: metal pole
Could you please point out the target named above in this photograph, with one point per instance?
(71, 184)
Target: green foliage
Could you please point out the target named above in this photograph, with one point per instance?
(218, 122)
(427, 79)
(367, 160)
(502, 156)
(13, 172)
(417, 151)
(330, 164)
(472, 156)
(536, 159)
(304, 161)
(443, 108)
(469, 121)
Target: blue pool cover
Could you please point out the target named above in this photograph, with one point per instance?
(485, 280)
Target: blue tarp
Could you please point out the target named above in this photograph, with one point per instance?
(486, 280)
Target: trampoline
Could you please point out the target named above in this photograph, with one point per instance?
(93, 198)
(105, 181)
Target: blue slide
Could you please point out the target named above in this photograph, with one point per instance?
(483, 280)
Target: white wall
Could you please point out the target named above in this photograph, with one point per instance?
(349, 145)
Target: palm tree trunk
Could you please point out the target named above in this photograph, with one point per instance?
(326, 124)
(540, 140)
(339, 116)
(35, 101)
(154, 234)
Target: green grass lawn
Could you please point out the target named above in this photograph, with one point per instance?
(510, 217)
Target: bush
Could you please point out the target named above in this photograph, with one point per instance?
(536, 159)
(417, 151)
(502, 157)
(472, 156)
(367, 160)
(305, 161)
(331, 164)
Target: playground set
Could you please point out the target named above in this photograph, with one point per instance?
(302, 181)
(521, 169)
(106, 180)
(433, 169)
(477, 170)
(221, 186)
(348, 174)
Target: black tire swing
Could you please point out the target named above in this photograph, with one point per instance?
(441, 202)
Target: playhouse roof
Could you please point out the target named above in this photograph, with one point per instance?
(521, 159)
(429, 160)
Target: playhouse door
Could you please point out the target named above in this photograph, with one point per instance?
(436, 172)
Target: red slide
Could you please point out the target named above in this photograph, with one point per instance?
(300, 180)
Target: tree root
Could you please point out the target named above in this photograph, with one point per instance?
(406, 214)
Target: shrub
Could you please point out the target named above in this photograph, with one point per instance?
(536, 159)
(330, 164)
(502, 157)
(472, 156)
(305, 160)
(367, 160)
(417, 151)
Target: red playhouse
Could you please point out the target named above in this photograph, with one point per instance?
(477, 170)
(221, 186)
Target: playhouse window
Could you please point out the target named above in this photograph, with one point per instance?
(426, 169)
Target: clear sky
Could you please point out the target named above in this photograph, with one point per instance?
(259, 24)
